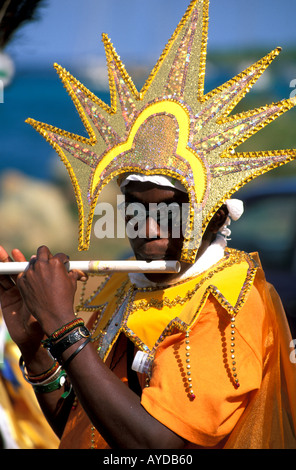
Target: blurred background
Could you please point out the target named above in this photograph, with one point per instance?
(37, 204)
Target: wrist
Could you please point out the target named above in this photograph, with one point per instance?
(42, 377)
(55, 324)
(36, 361)
(67, 339)
(49, 381)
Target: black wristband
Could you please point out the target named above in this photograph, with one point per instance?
(57, 349)
(67, 362)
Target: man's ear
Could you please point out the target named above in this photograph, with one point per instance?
(219, 219)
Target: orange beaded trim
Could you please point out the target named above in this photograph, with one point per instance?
(191, 393)
(232, 352)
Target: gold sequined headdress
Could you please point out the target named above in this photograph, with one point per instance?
(170, 127)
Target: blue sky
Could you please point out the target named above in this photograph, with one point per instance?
(139, 29)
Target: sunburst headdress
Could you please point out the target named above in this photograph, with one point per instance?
(170, 127)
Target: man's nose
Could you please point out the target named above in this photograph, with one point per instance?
(149, 228)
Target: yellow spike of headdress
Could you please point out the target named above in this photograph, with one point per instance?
(170, 127)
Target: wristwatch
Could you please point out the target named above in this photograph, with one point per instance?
(57, 349)
(51, 386)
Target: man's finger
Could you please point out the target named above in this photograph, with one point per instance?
(18, 255)
(78, 275)
(6, 281)
(4, 256)
(62, 257)
(43, 253)
(32, 262)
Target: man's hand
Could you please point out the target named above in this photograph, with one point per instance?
(48, 289)
(22, 326)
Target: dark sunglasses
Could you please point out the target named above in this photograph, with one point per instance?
(164, 214)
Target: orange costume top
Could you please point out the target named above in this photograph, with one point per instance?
(241, 357)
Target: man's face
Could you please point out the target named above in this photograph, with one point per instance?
(152, 242)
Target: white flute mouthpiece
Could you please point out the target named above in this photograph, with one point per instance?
(132, 266)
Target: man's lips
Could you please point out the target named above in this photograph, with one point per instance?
(154, 250)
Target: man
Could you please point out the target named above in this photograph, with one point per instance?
(195, 360)
(165, 415)
(37, 359)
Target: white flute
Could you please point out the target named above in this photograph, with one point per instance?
(131, 266)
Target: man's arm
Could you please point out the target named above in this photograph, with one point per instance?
(113, 408)
(48, 292)
(27, 334)
(54, 407)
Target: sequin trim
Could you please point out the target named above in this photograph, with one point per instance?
(126, 297)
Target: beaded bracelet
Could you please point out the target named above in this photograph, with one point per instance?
(38, 378)
(66, 328)
(60, 332)
(55, 384)
(57, 349)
